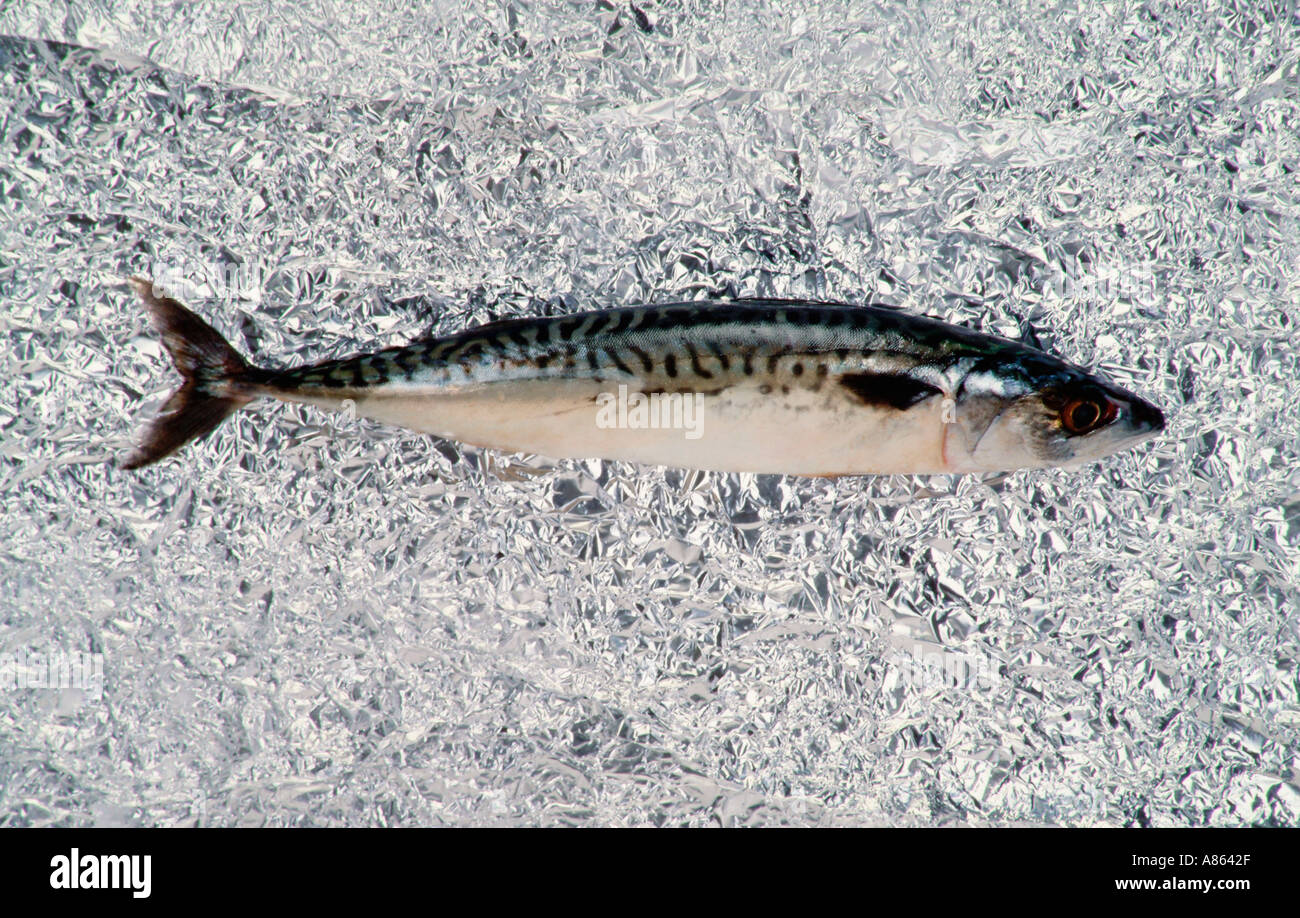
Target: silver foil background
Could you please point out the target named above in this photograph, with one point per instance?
(308, 620)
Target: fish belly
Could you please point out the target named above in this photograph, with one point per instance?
(738, 428)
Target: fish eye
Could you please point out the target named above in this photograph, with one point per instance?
(1084, 414)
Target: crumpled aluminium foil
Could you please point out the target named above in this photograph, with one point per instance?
(310, 620)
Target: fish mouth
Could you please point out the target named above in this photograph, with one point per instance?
(1146, 418)
(1137, 417)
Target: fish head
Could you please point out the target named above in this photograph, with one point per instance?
(1032, 410)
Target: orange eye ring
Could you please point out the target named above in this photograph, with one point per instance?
(1084, 415)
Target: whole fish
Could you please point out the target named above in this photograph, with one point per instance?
(752, 385)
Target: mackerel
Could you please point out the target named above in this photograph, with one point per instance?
(751, 385)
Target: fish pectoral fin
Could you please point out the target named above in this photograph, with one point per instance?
(888, 390)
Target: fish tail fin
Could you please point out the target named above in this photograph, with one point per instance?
(216, 380)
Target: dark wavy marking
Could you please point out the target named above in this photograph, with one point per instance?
(618, 361)
(696, 367)
(646, 360)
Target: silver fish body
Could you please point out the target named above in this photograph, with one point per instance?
(794, 387)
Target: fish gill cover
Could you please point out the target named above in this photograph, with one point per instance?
(307, 619)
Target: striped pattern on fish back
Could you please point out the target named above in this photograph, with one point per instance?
(685, 344)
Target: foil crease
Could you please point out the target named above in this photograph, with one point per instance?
(309, 620)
